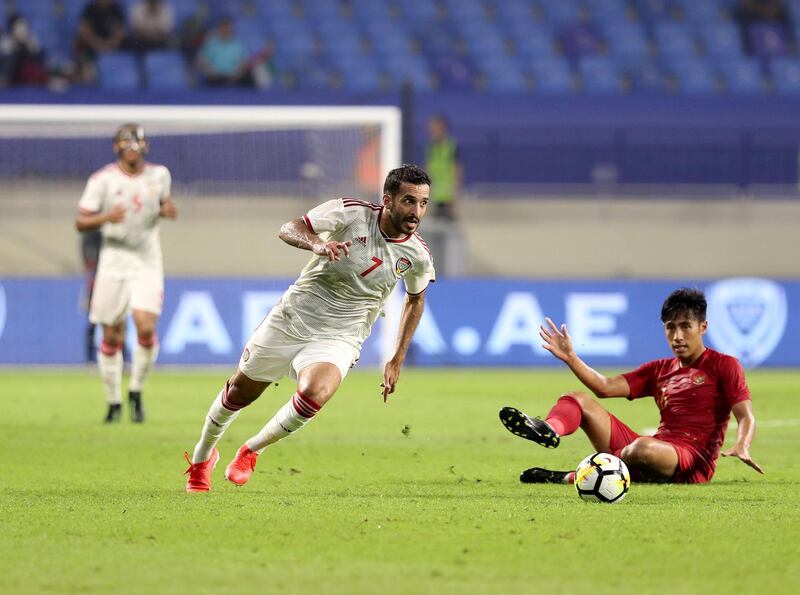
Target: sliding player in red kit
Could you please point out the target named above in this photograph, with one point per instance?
(695, 391)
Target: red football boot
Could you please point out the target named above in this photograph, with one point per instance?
(241, 467)
(200, 473)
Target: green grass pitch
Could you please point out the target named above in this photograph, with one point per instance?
(417, 496)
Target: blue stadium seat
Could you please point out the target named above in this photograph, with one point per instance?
(694, 77)
(701, 14)
(302, 45)
(277, 10)
(165, 71)
(475, 29)
(644, 74)
(313, 77)
(118, 71)
(323, 10)
(465, 9)
(423, 13)
(391, 42)
(626, 39)
(786, 76)
(562, 12)
(287, 29)
(339, 55)
(742, 76)
(333, 29)
(675, 40)
(486, 46)
(607, 12)
(552, 76)
(252, 34)
(183, 10)
(581, 39)
(536, 43)
(34, 9)
(600, 75)
(655, 11)
(363, 80)
(721, 40)
(505, 76)
(413, 69)
(509, 12)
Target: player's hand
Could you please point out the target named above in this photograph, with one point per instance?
(391, 372)
(116, 214)
(334, 250)
(557, 341)
(168, 209)
(743, 455)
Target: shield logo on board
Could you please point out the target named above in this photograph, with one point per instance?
(746, 317)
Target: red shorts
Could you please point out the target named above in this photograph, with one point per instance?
(692, 466)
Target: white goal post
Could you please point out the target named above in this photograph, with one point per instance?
(322, 139)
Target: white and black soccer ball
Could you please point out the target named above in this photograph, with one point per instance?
(602, 477)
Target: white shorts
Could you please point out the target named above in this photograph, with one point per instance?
(272, 353)
(113, 299)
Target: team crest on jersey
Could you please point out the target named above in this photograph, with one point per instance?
(362, 240)
(402, 265)
(699, 379)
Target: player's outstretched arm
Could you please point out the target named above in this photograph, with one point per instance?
(558, 342)
(743, 411)
(413, 307)
(296, 233)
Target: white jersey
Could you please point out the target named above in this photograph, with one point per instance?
(132, 244)
(342, 299)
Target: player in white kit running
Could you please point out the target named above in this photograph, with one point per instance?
(314, 334)
(125, 200)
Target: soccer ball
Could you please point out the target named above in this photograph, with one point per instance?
(602, 477)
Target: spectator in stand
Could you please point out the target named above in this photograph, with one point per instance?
(223, 59)
(192, 33)
(21, 56)
(152, 23)
(102, 29)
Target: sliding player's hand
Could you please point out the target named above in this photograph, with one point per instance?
(744, 456)
(334, 250)
(557, 341)
(391, 372)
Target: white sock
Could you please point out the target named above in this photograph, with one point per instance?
(143, 359)
(296, 413)
(218, 419)
(109, 364)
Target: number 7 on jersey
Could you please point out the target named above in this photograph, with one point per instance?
(378, 262)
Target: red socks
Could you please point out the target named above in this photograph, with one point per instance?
(565, 416)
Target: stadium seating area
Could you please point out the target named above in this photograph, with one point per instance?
(595, 47)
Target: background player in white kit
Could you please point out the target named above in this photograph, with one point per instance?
(126, 200)
(314, 334)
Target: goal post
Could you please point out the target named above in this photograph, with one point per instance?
(255, 150)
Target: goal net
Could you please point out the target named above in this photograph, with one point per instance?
(286, 152)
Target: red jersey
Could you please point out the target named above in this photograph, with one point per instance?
(695, 401)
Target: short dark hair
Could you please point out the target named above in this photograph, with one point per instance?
(131, 130)
(688, 301)
(409, 173)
